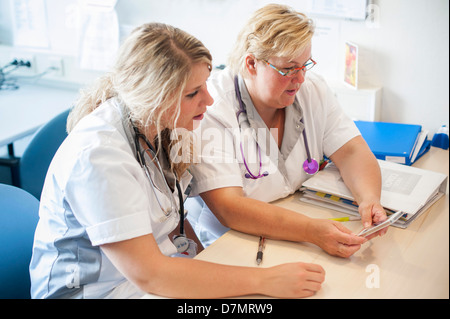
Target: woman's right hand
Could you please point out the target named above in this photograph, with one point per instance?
(293, 280)
(334, 238)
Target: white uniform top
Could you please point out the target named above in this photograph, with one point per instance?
(221, 163)
(95, 193)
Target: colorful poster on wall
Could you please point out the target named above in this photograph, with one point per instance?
(351, 65)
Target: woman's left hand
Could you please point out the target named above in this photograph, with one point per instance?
(372, 213)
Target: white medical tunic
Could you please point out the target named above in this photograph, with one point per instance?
(221, 135)
(96, 193)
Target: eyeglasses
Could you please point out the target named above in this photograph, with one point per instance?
(291, 72)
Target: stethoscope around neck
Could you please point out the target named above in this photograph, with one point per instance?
(180, 242)
(310, 165)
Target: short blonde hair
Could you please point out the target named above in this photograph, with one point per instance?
(152, 69)
(274, 30)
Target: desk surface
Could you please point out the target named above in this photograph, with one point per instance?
(24, 110)
(405, 263)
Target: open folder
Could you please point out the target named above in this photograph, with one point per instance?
(409, 189)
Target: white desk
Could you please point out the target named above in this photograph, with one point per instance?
(24, 110)
(405, 263)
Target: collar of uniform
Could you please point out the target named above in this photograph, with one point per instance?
(293, 127)
(253, 116)
(162, 158)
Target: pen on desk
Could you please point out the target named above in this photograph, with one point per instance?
(259, 255)
(346, 219)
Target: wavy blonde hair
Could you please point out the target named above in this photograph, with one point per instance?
(273, 31)
(149, 77)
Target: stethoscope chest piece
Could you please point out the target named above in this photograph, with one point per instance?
(181, 243)
(310, 166)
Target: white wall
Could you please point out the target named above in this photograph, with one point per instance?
(409, 57)
(406, 52)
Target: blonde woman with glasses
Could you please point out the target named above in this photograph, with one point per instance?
(280, 121)
(112, 221)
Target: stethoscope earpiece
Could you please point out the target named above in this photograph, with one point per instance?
(247, 175)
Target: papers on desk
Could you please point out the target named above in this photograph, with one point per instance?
(395, 142)
(409, 189)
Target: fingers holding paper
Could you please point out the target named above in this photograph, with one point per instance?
(335, 238)
(372, 214)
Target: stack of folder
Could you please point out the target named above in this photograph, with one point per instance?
(404, 188)
(395, 142)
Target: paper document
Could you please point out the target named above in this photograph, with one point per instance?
(420, 141)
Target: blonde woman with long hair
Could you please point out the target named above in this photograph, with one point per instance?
(286, 121)
(112, 222)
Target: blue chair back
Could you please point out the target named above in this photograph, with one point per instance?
(39, 153)
(19, 214)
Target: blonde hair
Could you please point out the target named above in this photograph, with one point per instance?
(272, 31)
(149, 77)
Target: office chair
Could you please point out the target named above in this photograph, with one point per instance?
(39, 153)
(18, 220)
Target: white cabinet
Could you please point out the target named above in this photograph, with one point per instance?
(362, 104)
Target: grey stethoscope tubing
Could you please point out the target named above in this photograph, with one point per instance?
(310, 165)
(181, 242)
(249, 174)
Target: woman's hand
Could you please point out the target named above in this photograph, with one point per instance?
(334, 238)
(372, 213)
(293, 280)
